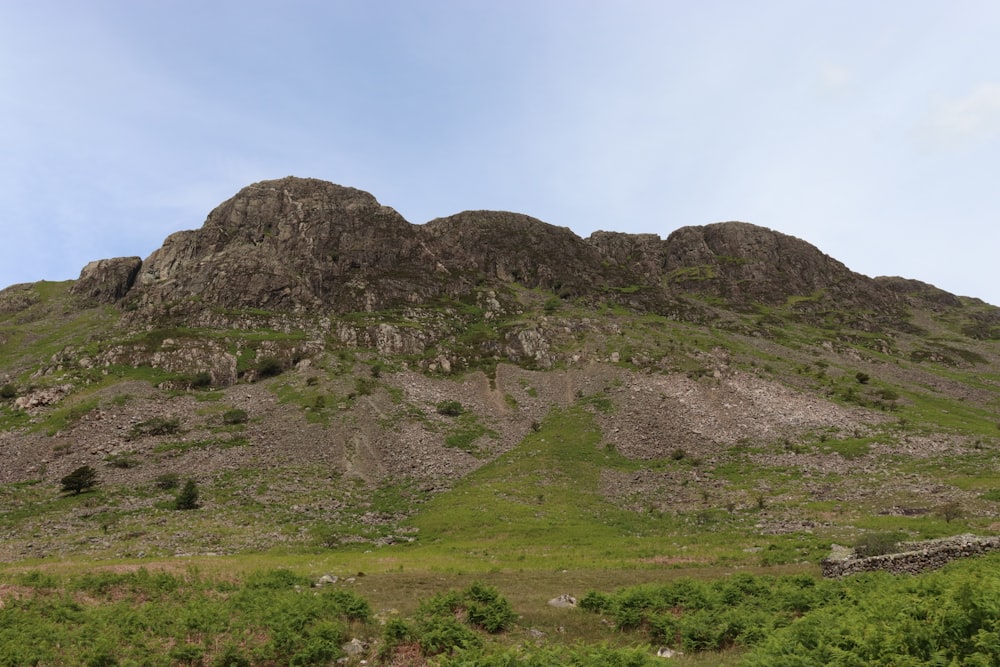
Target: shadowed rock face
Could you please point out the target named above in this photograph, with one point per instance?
(927, 294)
(745, 263)
(308, 246)
(643, 253)
(107, 280)
(286, 245)
(497, 246)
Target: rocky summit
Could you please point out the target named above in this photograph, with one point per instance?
(301, 245)
(324, 369)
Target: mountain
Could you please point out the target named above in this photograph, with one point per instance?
(327, 372)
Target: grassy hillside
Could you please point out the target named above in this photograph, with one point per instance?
(623, 448)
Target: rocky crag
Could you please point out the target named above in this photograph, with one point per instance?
(305, 246)
(300, 254)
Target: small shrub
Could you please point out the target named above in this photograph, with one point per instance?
(465, 437)
(168, 481)
(599, 603)
(269, 367)
(951, 511)
(187, 499)
(8, 391)
(351, 605)
(439, 628)
(443, 634)
(155, 426)
(234, 416)
(363, 386)
(862, 378)
(450, 408)
(185, 653)
(887, 394)
(201, 380)
(877, 544)
(231, 656)
(82, 479)
(487, 609)
(397, 632)
(121, 399)
(602, 403)
(444, 603)
(276, 580)
(124, 460)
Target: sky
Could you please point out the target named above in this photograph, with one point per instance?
(869, 129)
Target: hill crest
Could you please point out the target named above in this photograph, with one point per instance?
(304, 245)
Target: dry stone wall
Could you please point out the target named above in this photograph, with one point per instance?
(916, 557)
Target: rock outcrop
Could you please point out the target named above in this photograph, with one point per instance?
(746, 264)
(643, 253)
(496, 246)
(305, 246)
(107, 280)
(291, 245)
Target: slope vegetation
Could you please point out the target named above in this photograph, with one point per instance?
(486, 395)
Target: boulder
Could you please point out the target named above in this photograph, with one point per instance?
(564, 601)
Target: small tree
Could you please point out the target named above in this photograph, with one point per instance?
(168, 481)
(187, 499)
(82, 479)
(154, 426)
(201, 380)
(269, 367)
(877, 544)
(234, 416)
(450, 408)
(951, 511)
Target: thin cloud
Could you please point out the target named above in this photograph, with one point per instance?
(836, 79)
(959, 122)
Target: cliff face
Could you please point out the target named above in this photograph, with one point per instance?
(304, 245)
(298, 245)
(747, 263)
(107, 280)
(501, 247)
(287, 245)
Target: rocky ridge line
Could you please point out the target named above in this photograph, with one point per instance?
(303, 245)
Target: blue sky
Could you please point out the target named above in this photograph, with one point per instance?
(869, 129)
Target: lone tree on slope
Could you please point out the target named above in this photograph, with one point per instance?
(82, 479)
(187, 499)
